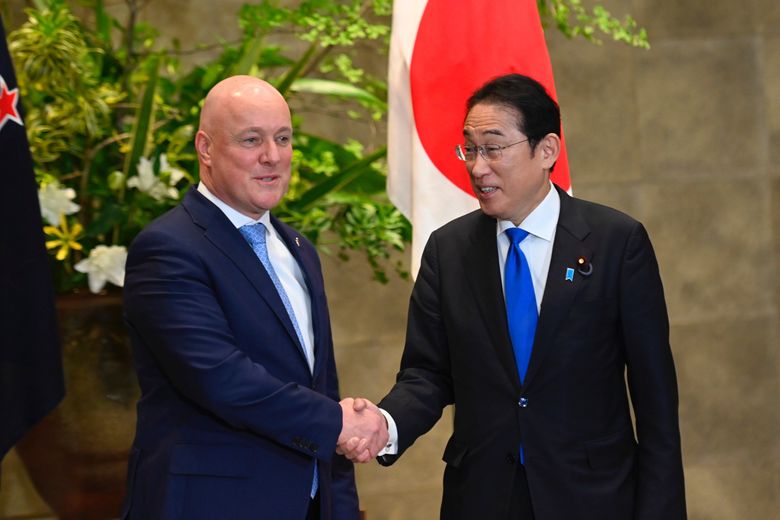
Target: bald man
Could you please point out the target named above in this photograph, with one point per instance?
(240, 415)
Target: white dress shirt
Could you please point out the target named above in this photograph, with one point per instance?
(537, 247)
(285, 265)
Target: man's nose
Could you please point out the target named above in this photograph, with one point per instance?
(480, 166)
(269, 153)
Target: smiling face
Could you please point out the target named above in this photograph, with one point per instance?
(244, 145)
(510, 187)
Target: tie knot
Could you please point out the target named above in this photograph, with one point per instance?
(254, 233)
(516, 235)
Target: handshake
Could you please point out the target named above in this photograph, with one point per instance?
(364, 430)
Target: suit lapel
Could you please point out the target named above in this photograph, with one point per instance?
(225, 237)
(484, 277)
(559, 292)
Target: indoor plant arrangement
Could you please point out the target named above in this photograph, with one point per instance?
(111, 115)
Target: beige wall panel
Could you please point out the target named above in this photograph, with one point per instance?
(712, 241)
(666, 19)
(730, 420)
(771, 79)
(700, 108)
(621, 196)
(766, 15)
(596, 88)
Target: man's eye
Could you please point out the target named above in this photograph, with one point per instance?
(491, 148)
(250, 140)
(283, 139)
(470, 149)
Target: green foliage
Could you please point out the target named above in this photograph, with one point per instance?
(572, 19)
(107, 105)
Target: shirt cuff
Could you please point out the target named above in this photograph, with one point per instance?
(391, 448)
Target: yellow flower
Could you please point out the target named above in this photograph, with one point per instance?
(65, 238)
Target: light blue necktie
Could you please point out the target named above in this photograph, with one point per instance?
(255, 235)
(521, 312)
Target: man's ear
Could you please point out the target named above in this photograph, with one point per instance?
(550, 147)
(203, 147)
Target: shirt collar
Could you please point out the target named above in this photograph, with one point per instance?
(542, 220)
(237, 218)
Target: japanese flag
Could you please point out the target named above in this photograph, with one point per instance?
(440, 52)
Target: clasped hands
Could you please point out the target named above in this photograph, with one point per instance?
(363, 432)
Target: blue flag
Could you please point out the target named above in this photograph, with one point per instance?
(31, 379)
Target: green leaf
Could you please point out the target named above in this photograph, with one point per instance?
(335, 88)
(338, 181)
(143, 119)
(295, 70)
(249, 57)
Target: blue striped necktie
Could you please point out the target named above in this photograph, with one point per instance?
(255, 235)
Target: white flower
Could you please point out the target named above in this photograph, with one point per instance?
(147, 182)
(56, 201)
(104, 264)
(175, 174)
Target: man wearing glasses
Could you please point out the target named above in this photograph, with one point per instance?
(535, 316)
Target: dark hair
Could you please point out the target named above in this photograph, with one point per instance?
(539, 113)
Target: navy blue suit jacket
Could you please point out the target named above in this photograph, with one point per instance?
(231, 420)
(584, 457)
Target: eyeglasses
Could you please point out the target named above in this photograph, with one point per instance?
(489, 152)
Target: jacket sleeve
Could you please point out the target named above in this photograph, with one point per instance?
(652, 383)
(424, 383)
(171, 305)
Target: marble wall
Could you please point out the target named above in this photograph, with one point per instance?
(685, 137)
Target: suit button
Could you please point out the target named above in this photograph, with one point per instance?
(511, 458)
(523, 402)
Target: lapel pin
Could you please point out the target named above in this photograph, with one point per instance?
(584, 266)
(297, 241)
(569, 274)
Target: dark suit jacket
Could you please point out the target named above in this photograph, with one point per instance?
(231, 420)
(582, 457)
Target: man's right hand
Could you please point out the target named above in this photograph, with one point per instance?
(363, 432)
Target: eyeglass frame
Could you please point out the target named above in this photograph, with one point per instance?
(483, 150)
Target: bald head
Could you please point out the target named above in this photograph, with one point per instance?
(244, 144)
(231, 94)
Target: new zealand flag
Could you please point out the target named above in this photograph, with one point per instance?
(31, 379)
